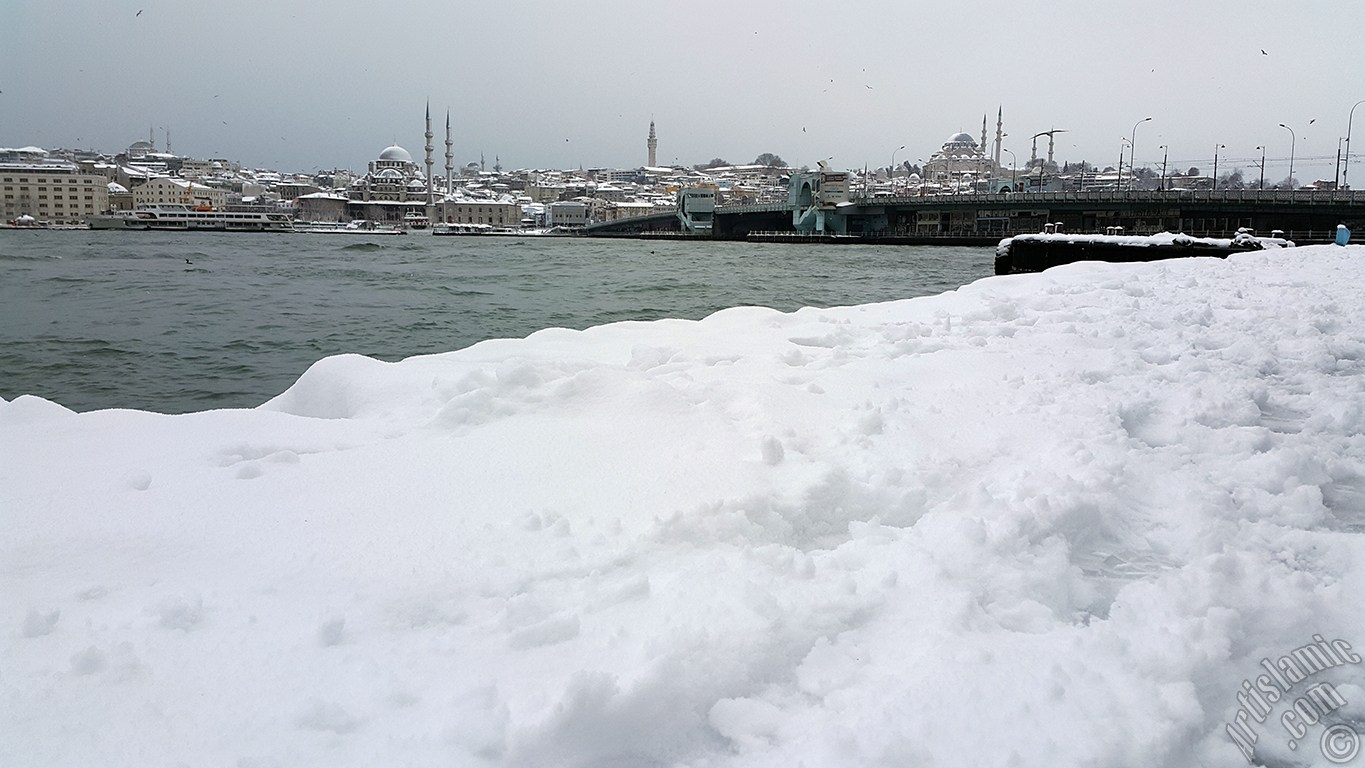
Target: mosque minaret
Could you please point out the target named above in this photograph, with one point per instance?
(450, 157)
(999, 133)
(430, 189)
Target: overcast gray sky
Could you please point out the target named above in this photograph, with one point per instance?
(312, 84)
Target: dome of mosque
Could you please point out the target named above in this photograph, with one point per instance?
(961, 138)
(395, 153)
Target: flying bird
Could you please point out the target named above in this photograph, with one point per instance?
(1263, 53)
(139, 13)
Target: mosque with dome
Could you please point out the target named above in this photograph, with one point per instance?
(393, 188)
(396, 189)
(962, 162)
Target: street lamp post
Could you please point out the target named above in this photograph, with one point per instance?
(1261, 185)
(893, 167)
(1132, 153)
(1014, 170)
(1216, 147)
(1336, 175)
(1293, 140)
(1346, 166)
(1165, 154)
(1119, 186)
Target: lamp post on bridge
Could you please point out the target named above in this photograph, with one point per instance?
(1119, 186)
(1293, 139)
(1216, 147)
(1346, 166)
(1165, 154)
(893, 168)
(1261, 185)
(1132, 153)
(1014, 170)
(1336, 169)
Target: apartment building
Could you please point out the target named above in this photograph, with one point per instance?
(51, 192)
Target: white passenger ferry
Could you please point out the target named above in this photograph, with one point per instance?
(182, 218)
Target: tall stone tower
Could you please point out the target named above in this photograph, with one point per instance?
(653, 145)
(429, 135)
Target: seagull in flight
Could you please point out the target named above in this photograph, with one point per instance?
(139, 13)
(1263, 53)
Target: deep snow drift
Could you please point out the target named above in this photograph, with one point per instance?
(1051, 519)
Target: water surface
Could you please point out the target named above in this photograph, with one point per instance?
(178, 322)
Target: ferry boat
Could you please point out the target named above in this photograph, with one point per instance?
(182, 218)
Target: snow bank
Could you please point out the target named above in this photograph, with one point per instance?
(1050, 519)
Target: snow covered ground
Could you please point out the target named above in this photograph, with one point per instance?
(1051, 519)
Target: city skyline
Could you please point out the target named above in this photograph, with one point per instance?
(323, 85)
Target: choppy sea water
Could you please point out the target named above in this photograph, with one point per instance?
(179, 322)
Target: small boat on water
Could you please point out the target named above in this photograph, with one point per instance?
(184, 218)
(357, 227)
(24, 221)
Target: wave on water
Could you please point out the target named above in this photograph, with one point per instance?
(366, 247)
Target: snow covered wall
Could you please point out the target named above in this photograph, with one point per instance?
(1052, 519)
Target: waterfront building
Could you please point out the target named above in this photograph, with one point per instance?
(120, 198)
(567, 213)
(55, 192)
(502, 212)
(167, 190)
(322, 206)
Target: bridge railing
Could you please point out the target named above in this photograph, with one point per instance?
(1284, 196)
(755, 208)
(1181, 196)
